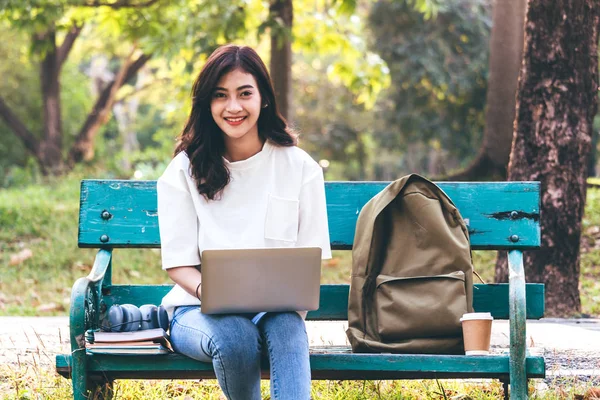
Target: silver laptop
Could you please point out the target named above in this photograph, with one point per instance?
(256, 280)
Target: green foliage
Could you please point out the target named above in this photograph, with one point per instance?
(329, 53)
(438, 68)
(19, 81)
(429, 8)
(179, 34)
(338, 40)
(161, 29)
(17, 176)
(32, 15)
(332, 125)
(20, 87)
(166, 27)
(590, 257)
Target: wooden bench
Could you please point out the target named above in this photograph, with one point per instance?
(122, 214)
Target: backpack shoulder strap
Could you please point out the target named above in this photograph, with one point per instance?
(363, 236)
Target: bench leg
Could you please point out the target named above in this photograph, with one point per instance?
(84, 387)
(518, 372)
(505, 389)
(79, 376)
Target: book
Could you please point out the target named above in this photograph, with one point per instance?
(135, 336)
(129, 350)
(148, 341)
(112, 344)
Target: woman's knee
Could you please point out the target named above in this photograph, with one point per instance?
(287, 329)
(284, 321)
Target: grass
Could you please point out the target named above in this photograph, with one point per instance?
(594, 181)
(590, 256)
(38, 232)
(42, 221)
(35, 382)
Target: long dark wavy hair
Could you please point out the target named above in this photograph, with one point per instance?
(201, 137)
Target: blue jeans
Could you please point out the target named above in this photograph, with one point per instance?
(234, 345)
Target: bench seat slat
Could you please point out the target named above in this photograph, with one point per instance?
(323, 366)
(495, 211)
(334, 299)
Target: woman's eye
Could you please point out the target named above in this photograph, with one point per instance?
(218, 95)
(246, 93)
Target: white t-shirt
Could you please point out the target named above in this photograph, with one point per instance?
(275, 198)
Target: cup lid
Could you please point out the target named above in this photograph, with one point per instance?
(476, 315)
(477, 352)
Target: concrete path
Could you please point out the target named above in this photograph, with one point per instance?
(570, 347)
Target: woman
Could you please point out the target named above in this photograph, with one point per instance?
(238, 181)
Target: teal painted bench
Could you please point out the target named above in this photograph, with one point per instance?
(122, 214)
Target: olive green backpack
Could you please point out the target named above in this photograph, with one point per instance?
(412, 276)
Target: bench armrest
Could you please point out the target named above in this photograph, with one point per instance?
(85, 300)
(517, 314)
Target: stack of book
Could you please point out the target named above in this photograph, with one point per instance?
(148, 341)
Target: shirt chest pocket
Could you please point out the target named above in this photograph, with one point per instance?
(281, 222)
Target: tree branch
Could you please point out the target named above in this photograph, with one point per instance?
(136, 66)
(82, 148)
(481, 168)
(118, 4)
(141, 89)
(19, 129)
(63, 51)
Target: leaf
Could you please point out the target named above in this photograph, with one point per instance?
(592, 394)
(81, 266)
(133, 273)
(333, 262)
(347, 7)
(47, 307)
(16, 259)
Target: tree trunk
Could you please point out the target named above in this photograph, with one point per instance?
(281, 54)
(556, 104)
(50, 149)
(506, 53)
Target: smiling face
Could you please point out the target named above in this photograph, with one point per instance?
(235, 106)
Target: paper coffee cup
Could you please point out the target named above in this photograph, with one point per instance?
(477, 331)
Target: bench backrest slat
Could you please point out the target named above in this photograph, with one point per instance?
(500, 215)
(334, 299)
